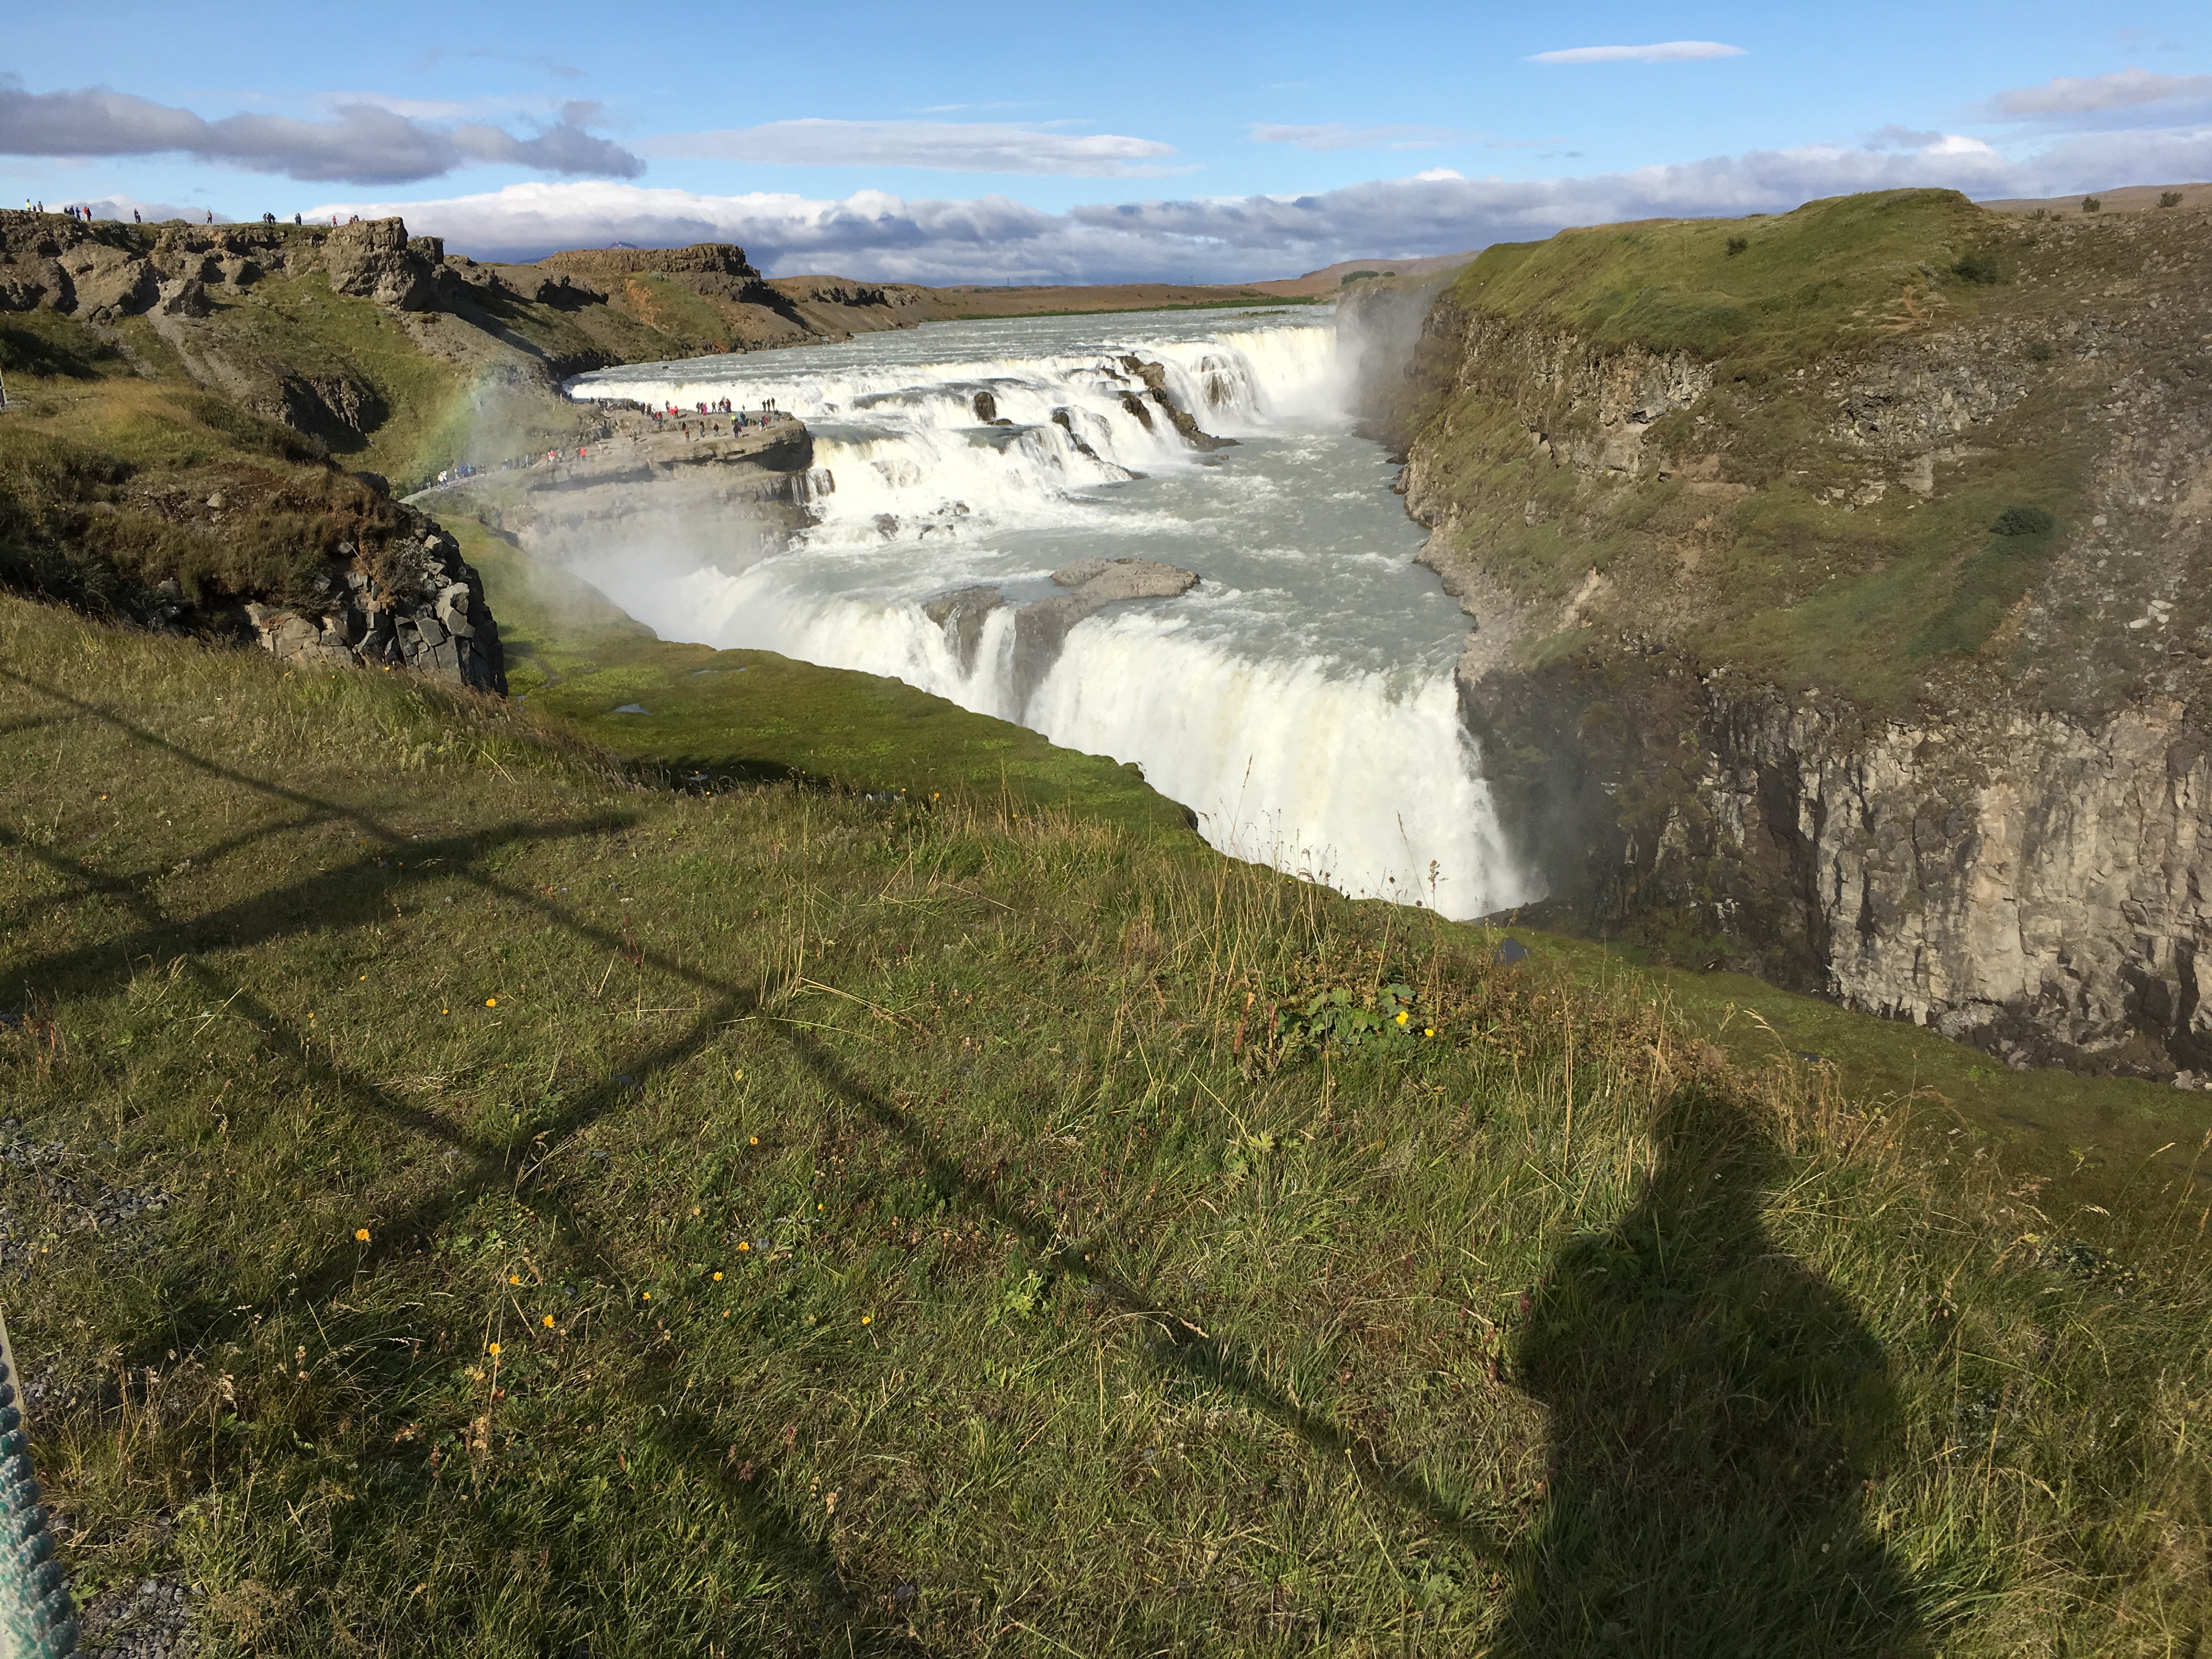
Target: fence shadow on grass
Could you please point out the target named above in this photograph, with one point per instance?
(358, 891)
(1715, 1408)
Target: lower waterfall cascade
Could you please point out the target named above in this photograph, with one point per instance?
(1299, 700)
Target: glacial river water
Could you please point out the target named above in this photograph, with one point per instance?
(1299, 700)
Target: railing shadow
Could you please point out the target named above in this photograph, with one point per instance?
(361, 888)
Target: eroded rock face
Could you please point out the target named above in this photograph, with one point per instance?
(415, 605)
(2021, 862)
(376, 261)
(2017, 880)
(1154, 378)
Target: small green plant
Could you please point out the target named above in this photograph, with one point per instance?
(1979, 266)
(1738, 245)
(1340, 1017)
(2023, 522)
(2042, 352)
(1352, 277)
(2093, 204)
(2169, 199)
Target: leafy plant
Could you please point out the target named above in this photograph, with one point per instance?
(1340, 1016)
(2093, 204)
(2023, 522)
(1978, 266)
(2169, 199)
(1738, 245)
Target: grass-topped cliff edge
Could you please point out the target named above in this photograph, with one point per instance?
(457, 1198)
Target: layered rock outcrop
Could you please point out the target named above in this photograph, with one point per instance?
(411, 603)
(1739, 699)
(1040, 627)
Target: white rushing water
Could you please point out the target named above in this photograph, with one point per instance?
(1299, 700)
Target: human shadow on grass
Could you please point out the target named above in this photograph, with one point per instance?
(1715, 1408)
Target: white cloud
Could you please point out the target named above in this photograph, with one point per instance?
(1433, 175)
(876, 234)
(943, 146)
(2127, 88)
(1334, 135)
(1660, 52)
(360, 143)
(2126, 98)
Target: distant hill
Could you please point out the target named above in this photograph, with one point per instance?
(2128, 198)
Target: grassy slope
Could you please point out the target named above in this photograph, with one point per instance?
(1784, 582)
(797, 1224)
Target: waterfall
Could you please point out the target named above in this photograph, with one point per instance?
(1299, 701)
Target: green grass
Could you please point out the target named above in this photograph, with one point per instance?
(1803, 282)
(796, 1224)
(2085, 1139)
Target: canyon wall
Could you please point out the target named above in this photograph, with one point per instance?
(1874, 655)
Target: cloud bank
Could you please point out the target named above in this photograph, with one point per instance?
(2135, 96)
(362, 143)
(946, 146)
(1660, 52)
(890, 238)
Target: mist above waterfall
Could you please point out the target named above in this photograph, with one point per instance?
(1299, 700)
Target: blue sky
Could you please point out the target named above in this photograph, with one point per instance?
(1062, 142)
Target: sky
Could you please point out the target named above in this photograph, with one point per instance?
(1060, 143)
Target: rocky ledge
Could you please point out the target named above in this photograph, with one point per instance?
(412, 603)
(1041, 628)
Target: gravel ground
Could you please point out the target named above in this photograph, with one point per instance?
(150, 1620)
(74, 1200)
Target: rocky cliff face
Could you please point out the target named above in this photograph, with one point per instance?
(411, 603)
(1881, 666)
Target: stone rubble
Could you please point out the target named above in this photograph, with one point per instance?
(415, 605)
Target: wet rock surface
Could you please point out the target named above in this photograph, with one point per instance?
(1040, 629)
(1154, 378)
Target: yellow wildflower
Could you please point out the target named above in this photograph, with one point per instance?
(492, 1348)
(549, 1322)
(491, 1002)
(717, 1278)
(360, 1235)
